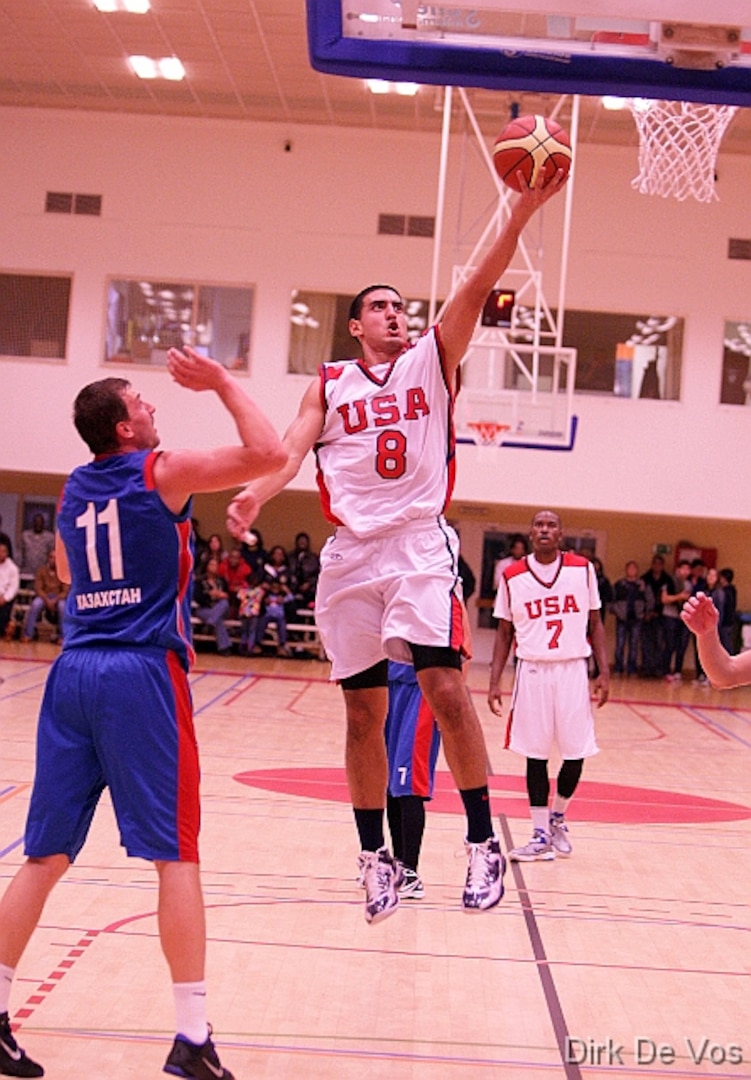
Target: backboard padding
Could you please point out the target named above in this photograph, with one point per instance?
(342, 43)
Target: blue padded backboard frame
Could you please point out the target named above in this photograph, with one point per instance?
(446, 64)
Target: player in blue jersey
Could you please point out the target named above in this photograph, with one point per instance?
(117, 708)
(413, 741)
(412, 745)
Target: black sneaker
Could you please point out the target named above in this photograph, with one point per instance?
(188, 1060)
(13, 1060)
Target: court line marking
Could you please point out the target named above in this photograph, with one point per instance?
(555, 1009)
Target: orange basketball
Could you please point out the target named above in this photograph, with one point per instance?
(533, 144)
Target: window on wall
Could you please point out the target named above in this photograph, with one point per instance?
(736, 384)
(629, 355)
(319, 328)
(147, 318)
(34, 315)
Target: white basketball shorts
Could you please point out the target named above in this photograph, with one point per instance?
(551, 706)
(377, 594)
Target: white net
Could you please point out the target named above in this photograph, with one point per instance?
(678, 144)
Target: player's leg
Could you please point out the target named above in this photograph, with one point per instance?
(575, 738)
(412, 745)
(20, 911)
(442, 684)
(366, 701)
(150, 760)
(412, 823)
(66, 789)
(182, 933)
(539, 848)
(568, 779)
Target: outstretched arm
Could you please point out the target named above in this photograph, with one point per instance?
(180, 473)
(723, 670)
(460, 317)
(298, 439)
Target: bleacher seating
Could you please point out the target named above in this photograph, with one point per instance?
(302, 636)
(21, 605)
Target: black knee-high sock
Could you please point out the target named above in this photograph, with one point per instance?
(413, 827)
(477, 805)
(370, 828)
(394, 816)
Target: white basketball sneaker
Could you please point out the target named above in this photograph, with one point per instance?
(381, 876)
(539, 848)
(559, 835)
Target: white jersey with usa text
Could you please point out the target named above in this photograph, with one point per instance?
(550, 616)
(386, 453)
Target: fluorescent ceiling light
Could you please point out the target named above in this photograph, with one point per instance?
(144, 66)
(383, 86)
(135, 7)
(169, 67)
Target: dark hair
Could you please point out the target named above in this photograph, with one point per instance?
(355, 308)
(97, 411)
(728, 574)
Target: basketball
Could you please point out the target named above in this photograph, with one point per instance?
(533, 144)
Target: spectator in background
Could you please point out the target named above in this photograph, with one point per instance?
(212, 599)
(10, 581)
(235, 572)
(676, 632)
(517, 549)
(304, 568)
(698, 583)
(716, 592)
(605, 591)
(253, 551)
(200, 544)
(469, 583)
(215, 549)
(36, 544)
(250, 600)
(729, 615)
(49, 598)
(629, 606)
(5, 539)
(656, 580)
(277, 596)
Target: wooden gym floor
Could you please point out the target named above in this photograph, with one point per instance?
(630, 959)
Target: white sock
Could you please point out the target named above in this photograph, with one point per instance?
(6, 980)
(190, 1011)
(540, 818)
(560, 804)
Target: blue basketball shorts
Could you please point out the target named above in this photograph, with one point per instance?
(412, 741)
(119, 718)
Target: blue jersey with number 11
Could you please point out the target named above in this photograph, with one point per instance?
(130, 557)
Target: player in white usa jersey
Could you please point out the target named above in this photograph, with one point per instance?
(389, 587)
(549, 602)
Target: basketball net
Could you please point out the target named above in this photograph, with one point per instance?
(487, 432)
(678, 144)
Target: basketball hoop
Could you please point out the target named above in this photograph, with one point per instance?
(678, 145)
(487, 432)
